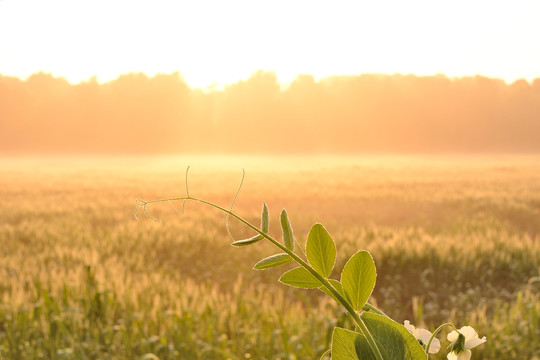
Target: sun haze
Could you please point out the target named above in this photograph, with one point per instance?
(220, 42)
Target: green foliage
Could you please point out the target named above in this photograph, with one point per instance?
(350, 345)
(339, 288)
(265, 220)
(189, 321)
(383, 338)
(272, 261)
(393, 339)
(301, 278)
(321, 250)
(380, 336)
(245, 242)
(265, 225)
(358, 278)
(288, 238)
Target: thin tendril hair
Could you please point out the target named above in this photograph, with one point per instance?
(232, 204)
(187, 191)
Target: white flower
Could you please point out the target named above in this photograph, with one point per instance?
(462, 343)
(423, 336)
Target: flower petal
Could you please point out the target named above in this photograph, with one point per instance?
(423, 334)
(435, 346)
(409, 327)
(451, 356)
(464, 355)
(474, 342)
(453, 336)
(468, 332)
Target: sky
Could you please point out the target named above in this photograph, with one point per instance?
(213, 43)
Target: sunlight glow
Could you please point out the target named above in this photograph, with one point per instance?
(217, 42)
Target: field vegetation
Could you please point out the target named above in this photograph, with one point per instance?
(454, 238)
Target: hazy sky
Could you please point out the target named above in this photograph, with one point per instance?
(223, 41)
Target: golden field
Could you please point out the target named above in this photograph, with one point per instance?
(453, 237)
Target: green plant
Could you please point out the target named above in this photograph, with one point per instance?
(375, 335)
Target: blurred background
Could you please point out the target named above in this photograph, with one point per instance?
(411, 130)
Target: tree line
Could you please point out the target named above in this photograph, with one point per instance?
(138, 114)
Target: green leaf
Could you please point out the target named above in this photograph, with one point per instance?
(272, 261)
(288, 238)
(245, 242)
(321, 250)
(336, 284)
(265, 222)
(300, 278)
(325, 354)
(358, 278)
(393, 339)
(350, 345)
(264, 228)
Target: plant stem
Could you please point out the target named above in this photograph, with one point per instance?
(436, 332)
(368, 307)
(359, 322)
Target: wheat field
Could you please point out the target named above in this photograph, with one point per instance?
(454, 238)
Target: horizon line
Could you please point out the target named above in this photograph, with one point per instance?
(283, 83)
